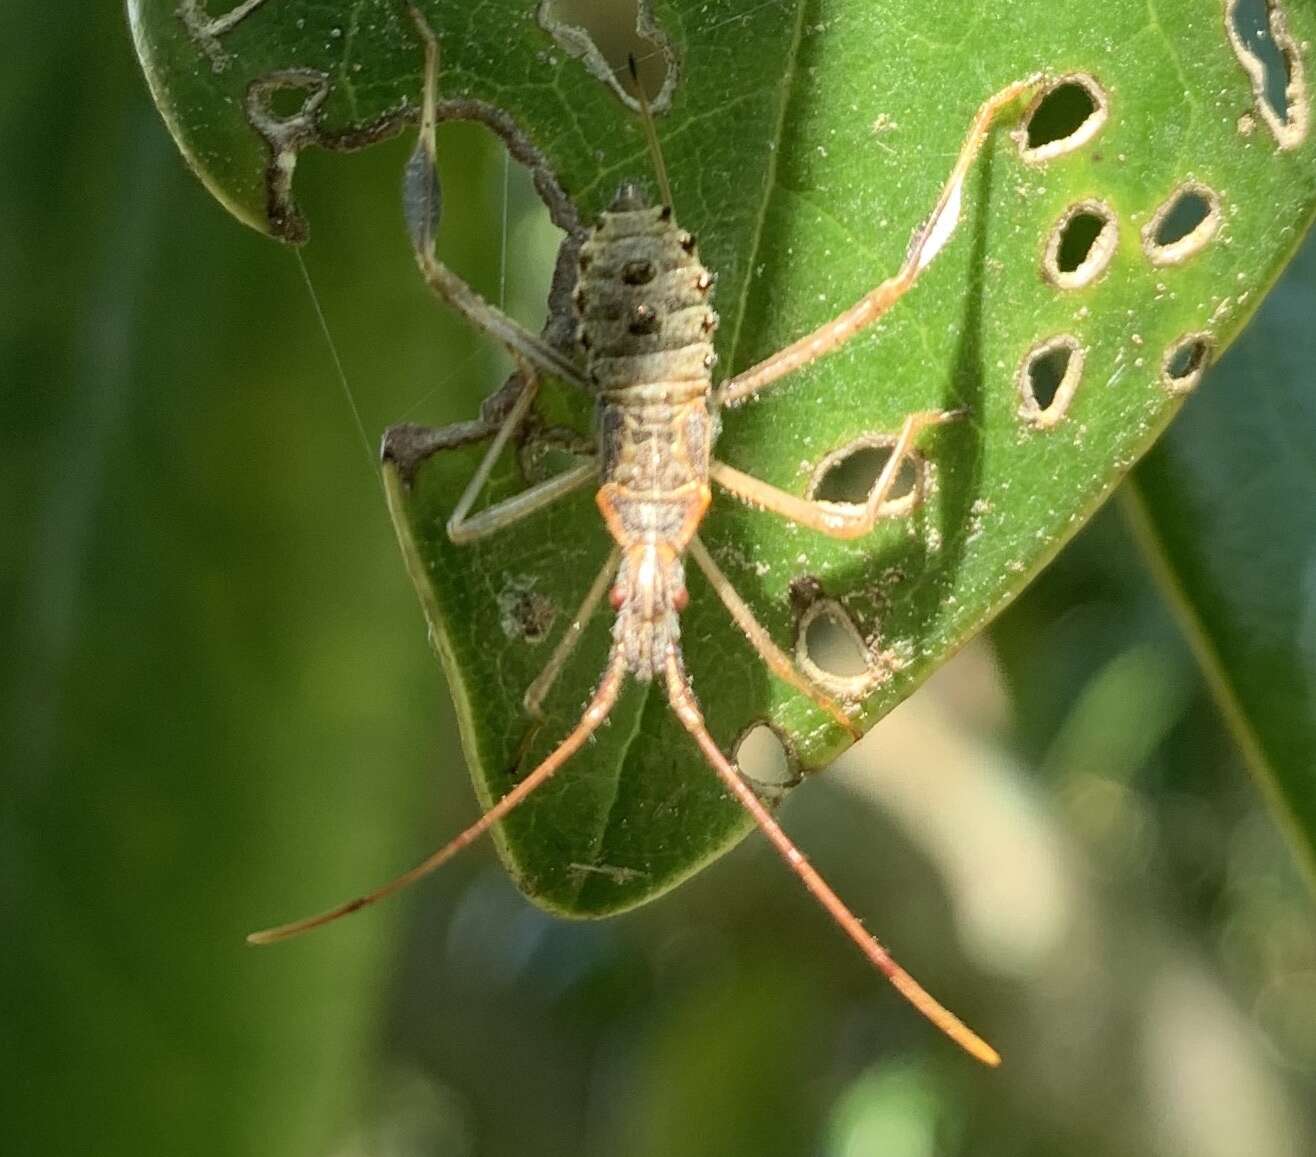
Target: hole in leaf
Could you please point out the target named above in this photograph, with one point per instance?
(1045, 373)
(1251, 21)
(1186, 362)
(830, 650)
(1061, 114)
(552, 452)
(1063, 118)
(503, 240)
(849, 475)
(1186, 214)
(764, 759)
(1077, 240)
(606, 35)
(528, 244)
(1081, 245)
(286, 101)
(1182, 225)
(1047, 380)
(1260, 38)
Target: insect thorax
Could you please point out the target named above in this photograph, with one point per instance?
(646, 326)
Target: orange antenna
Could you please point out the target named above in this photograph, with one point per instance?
(595, 713)
(650, 132)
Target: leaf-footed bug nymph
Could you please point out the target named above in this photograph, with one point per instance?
(645, 354)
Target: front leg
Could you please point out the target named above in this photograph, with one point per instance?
(927, 242)
(421, 205)
(835, 519)
(464, 527)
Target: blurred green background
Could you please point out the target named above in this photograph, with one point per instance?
(219, 707)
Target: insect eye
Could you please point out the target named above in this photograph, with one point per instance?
(681, 599)
(617, 598)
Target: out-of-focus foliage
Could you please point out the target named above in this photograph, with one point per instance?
(1228, 508)
(220, 707)
(187, 701)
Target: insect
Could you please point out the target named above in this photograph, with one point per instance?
(645, 326)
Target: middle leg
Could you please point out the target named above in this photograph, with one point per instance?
(778, 662)
(422, 199)
(463, 527)
(835, 519)
(538, 691)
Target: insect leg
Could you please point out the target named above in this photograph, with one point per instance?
(687, 711)
(464, 528)
(422, 201)
(538, 691)
(835, 519)
(927, 242)
(779, 663)
(603, 699)
(519, 506)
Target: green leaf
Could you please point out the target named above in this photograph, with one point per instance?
(1227, 509)
(804, 146)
